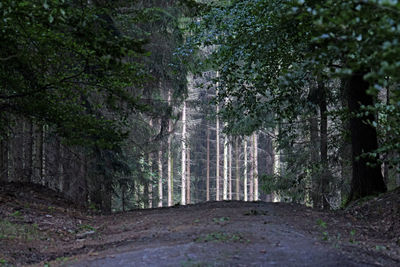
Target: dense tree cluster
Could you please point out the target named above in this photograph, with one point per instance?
(132, 104)
(323, 74)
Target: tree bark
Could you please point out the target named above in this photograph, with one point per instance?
(230, 169)
(237, 170)
(325, 175)
(150, 182)
(217, 156)
(208, 165)
(251, 178)
(255, 145)
(245, 169)
(169, 157)
(160, 177)
(225, 181)
(188, 181)
(367, 177)
(277, 163)
(183, 163)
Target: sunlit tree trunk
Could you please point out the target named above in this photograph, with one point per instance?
(277, 163)
(150, 180)
(255, 146)
(183, 163)
(230, 169)
(245, 170)
(169, 157)
(251, 178)
(237, 168)
(217, 156)
(188, 181)
(225, 182)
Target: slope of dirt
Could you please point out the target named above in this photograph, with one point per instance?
(37, 226)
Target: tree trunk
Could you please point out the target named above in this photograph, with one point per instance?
(43, 158)
(277, 163)
(237, 170)
(188, 181)
(208, 165)
(160, 177)
(169, 157)
(325, 175)
(245, 169)
(183, 164)
(225, 182)
(367, 177)
(230, 169)
(255, 145)
(251, 178)
(217, 152)
(150, 182)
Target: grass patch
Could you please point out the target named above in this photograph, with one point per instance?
(221, 237)
(221, 220)
(9, 230)
(87, 227)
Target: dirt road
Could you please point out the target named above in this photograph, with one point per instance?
(230, 234)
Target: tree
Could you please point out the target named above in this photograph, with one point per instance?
(255, 147)
(184, 151)
(306, 43)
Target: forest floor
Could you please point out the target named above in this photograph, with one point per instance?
(40, 228)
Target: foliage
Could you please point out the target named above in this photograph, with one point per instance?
(272, 57)
(65, 64)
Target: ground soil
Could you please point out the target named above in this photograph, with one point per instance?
(38, 227)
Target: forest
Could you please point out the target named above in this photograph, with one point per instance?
(129, 105)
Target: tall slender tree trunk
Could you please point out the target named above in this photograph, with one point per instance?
(43, 158)
(183, 164)
(255, 145)
(208, 165)
(367, 177)
(169, 157)
(277, 163)
(217, 156)
(150, 182)
(188, 181)
(160, 177)
(245, 170)
(225, 181)
(237, 170)
(230, 169)
(251, 178)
